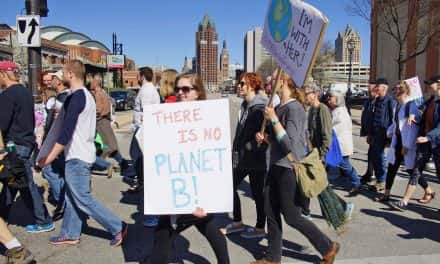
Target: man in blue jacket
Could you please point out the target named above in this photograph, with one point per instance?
(380, 119)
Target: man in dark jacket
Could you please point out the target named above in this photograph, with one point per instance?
(428, 144)
(380, 119)
(17, 125)
(367, 112)
(248, 157)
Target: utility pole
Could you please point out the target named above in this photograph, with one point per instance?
(34, 53)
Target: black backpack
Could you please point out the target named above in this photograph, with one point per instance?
(13, 171)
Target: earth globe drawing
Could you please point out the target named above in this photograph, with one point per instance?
(280, 19)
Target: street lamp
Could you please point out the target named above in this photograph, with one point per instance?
(350, 47)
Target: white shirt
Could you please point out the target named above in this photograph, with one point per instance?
(147, 95)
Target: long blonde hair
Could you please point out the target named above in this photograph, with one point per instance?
(167, 83)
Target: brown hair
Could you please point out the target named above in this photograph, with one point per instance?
(297, 93)
(167, 83)
(196, 83)
(253, 80)
(147, 73)
(77, 68)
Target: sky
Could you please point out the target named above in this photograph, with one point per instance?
(163, 32)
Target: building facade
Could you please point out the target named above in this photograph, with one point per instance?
(384, 49)
(224, 63)
(341, 46)
(6, 48)
(187, 65)
(254, 53)
(233, 68)
(339, 72)
(207, 53)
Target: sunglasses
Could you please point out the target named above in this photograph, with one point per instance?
(241, 84)
(185, 89)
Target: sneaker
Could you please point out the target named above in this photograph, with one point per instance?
(233, 228)
(353, 192)
(151, 221)
(19, 255)
(329, 258)
(307, 216)
(399, 205)
(349, 211)
(251, 232)
(120, 237)
(59, 241)
(40, 228)
(378, 187)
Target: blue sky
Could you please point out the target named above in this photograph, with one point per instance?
(163, 32)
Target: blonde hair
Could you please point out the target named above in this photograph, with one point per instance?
(405, 86)
(296, 94)
(77, 68)
(167, 83)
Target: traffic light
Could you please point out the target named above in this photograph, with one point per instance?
(43, 7)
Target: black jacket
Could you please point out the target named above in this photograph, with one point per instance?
(17, 120)
(250, 155)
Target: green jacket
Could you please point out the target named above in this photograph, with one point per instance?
(320, 128)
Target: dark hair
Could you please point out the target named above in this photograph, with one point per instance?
(196, 83)
(253, 80)
(147, 73)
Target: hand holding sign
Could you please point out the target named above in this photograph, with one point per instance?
(187, 158)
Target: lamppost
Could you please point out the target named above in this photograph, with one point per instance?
(350, 47)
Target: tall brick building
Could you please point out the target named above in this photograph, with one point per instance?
(207, 53)
(341, 45)
(224, 63)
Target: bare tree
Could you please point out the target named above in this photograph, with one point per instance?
(267, 67)
(326, 56)
(400, 25)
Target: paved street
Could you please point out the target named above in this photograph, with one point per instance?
(376, 234)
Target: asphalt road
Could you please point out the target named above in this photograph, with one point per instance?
(376, 234)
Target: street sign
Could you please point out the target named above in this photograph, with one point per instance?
(28, 31)
(115, 61)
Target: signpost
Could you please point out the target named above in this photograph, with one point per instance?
(187, 158)
(28, 31)
(115, 61)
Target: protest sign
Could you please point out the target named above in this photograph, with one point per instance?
(187, 158)
(292, 33)
(416, 93)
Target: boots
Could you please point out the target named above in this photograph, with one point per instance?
(19, 255)
(329, 258)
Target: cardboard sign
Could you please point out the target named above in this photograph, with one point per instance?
(187, 158)
(292, 34)
(416, 93)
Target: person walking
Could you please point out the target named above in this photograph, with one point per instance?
(248, 157)
(428, 144)
(76, 140)
(342, 125)
(367, 112)
(380, 120)
(282, 194)
(189, 87)
(17, 125)
(403, 138)
(103, 122)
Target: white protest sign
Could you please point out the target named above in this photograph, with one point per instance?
(415, 89)
(187, 158)
(292, 34)
(28, 31)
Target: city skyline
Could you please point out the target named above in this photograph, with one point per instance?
(171, 35)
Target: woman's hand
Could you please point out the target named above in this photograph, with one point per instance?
(3, 155)
(411, 120)
(260, 137)
(269, 114)
(199, 213)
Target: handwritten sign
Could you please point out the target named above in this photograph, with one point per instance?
(292, 34)
(187, 158)
(416, 93)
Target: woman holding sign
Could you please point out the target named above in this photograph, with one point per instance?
(288, 134)
(189, 87)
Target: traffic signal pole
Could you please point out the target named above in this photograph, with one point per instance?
(34, 53)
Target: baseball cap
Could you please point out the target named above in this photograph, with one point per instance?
(434, 79)
(8, 66)
(381, 81)
(59, 75)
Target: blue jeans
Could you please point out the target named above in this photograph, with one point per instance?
(348, 170)
(54, 174)
(30, 194)
(80, 202)
(378, 159)
(101, 164)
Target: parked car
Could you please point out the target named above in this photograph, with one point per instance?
(124, 99)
